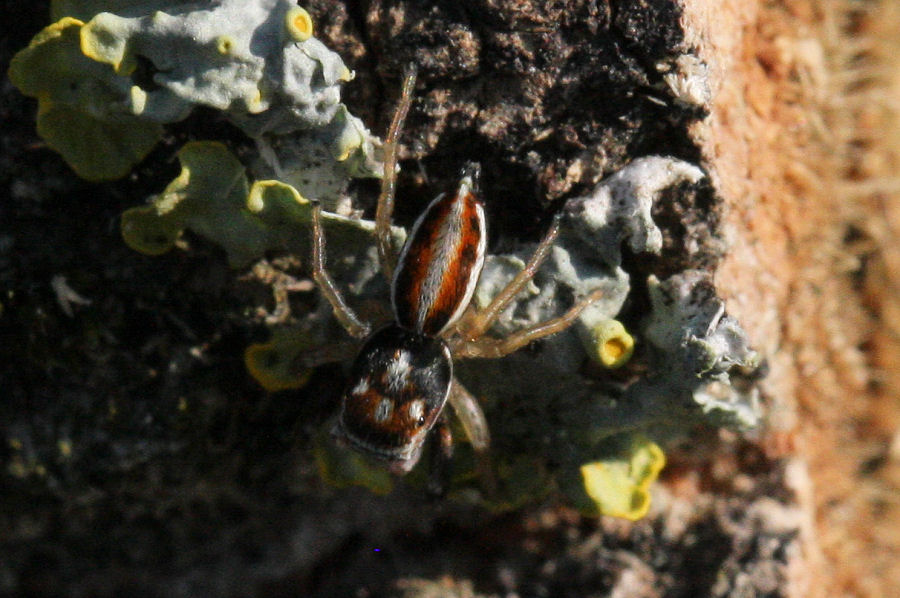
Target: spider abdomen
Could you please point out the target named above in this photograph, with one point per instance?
(441, 261)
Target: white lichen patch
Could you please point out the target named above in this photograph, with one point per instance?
(233, 55)
(704, 346)
(619, 207)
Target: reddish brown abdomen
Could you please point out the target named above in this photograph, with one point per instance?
(440, 263)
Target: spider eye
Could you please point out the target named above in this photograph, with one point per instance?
(416, 411)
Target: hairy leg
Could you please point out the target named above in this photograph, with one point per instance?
(475, 425)
(342, 311)
(385, 208)
(441, 458)
(499, 347)
(475, 323)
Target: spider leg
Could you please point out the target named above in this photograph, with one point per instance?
(475, 323)
(342, 311)
(475, 425)
(499, 347)
(441, 457)
(385, 208)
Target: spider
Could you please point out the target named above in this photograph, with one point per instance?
(402, 376)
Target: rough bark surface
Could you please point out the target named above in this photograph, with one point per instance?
(139, 459)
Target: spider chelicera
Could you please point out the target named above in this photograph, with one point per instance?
(403, 374)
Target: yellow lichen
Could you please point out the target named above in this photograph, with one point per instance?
(79, 104)
(350, 139)
(257, 103)
(211, 180)
(224, 44)
(100, 44)
(298, 24)
(610, 344)
(275, 364)
(621, 487)
(138, 100)
(263, 193)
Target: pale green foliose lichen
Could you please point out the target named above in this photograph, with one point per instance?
(107, 80)
(266, 81)
(84, 110)
(320, 162)
(214, 198)
(277, 364)
(702, 348)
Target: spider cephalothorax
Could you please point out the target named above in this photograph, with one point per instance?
(403, 375)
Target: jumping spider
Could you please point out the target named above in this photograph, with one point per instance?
(403, 374)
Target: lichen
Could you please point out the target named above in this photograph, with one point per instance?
(701, 348)
(320, 162)
(214, 198)
(688, 81)
(298, 24)
(620, 486)
(295, 84)
(341, 467)
(610, 344)
(276, 364)
(557, 422)
(83, 108)
(107, 82)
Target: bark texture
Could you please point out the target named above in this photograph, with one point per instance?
(139, 459)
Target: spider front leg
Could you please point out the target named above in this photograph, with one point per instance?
(499, 347)
(470, 343)
(470, 416)
(475, 323)
(342, 311)
(385, 207)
